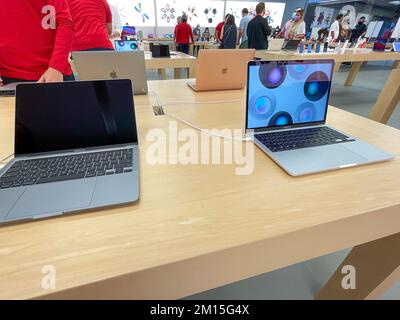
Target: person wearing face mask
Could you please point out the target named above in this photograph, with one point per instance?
(360, 30)
(297, 30)
(297, 15)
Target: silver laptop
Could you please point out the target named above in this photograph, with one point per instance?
(76, 148)
(287, 103)
(8, 90)
(95, 65)
(275, 44)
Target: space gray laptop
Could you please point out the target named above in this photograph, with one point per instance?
(76, 148)
(287, 103)
(97, 65)
(8, 90)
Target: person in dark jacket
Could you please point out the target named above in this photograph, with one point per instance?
(229, 33)
(258, 29)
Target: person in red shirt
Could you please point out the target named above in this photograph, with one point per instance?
(183, 35)
(218, 29)
(92, 24)
(35, 41)
(178, 21)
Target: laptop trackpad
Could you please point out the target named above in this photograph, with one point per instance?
(304, 161)
(53, 198)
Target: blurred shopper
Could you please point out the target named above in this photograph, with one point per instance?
(92, 24)
(258, 29)
(178, 21)
(218, 30)
(335, 30)
(360, 30)
(184, 36)
(244, 22)
(298, 27)
(229, 33)
(284, 32)
(206, 36)
(42, 52)
(197, 33)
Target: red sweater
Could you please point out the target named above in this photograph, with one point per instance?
(183, 33)
(90, 23)
(27, 49)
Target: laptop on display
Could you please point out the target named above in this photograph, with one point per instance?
(97, 65)
(396, 46)
(275, 44)
(291, 45)
(126, 45)
(76, 148)
(221, 69)
(8, 90)
(287, 104)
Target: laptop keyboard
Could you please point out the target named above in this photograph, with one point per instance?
(300, 139)
(62, 168)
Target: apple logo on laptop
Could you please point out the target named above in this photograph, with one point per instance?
(113, 74)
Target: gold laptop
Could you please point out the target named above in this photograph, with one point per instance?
(222, 69)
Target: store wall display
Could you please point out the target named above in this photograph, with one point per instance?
(274, 10)
(396, 31)
(350, 12)
(323, 17)
(206, 13)
(138, 13)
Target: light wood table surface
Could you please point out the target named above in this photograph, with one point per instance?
(197, 227)
(385, 105)
(202, 45)
(177, 61)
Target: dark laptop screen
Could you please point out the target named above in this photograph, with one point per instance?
(287, 93)
(74, 115)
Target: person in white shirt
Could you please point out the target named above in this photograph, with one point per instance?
(334, 31)
(298, 27)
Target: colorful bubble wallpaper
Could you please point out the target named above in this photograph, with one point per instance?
(286, 94)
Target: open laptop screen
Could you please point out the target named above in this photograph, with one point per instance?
(287, 93)
(73, 115)
(126, 45)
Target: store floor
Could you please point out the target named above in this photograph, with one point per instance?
(304, 280)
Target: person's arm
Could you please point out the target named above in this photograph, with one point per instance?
(239, 35)
(301, 31)
(1, 82)
(222, 33)
(191, 35)
(62, 43)
(364, 32)
(267, 30)
(108, 17)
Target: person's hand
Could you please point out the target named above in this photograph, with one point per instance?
(51, 75)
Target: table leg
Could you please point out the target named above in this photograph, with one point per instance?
(337, 67)
(191, 49)
(388, 99)
(353, 73)
(177, 73)
(163, 73)
(376, 265)
(192, 72)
